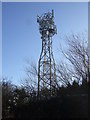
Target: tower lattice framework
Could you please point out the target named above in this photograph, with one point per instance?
(46, 64)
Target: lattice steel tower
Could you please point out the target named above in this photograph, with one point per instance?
(46, 64)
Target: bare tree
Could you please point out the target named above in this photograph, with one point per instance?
(30, 82)
(64, 76)
(78, 59)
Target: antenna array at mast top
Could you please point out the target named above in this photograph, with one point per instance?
(46, 23)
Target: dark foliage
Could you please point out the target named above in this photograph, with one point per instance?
(70, 102)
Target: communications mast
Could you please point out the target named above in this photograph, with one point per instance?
(46, 64)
